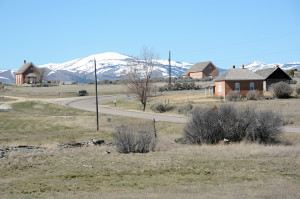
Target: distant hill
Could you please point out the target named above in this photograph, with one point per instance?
(112, 66)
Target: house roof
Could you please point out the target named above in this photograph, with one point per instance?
(24, 67)
(265, 73)
(198, 67)
(238, 74)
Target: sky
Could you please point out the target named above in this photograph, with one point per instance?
(231, 32)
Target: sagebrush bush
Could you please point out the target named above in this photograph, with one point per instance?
(202, 127)
(161, 108)
(281, 90)
(252, 95)
(297, 91)
(135, 138)
(184, 109)
(210, 126)
(233, 96)
(266, 128)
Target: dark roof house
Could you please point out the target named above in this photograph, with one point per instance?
(273, 75)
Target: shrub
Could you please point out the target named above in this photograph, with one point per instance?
(293, 81)
(202, 127)
(209, 126)
(281, 90)
(266, 128)
(134, 138)
(161, 108)
(233, 96)
(252, 95)
(184, 109)
(297, 90)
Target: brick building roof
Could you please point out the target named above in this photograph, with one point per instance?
(238, 74)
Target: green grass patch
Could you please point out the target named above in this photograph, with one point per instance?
(128, 105)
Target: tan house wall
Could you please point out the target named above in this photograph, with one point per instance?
(196, 75)
(229, 86)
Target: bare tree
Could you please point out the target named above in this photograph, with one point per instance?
(138, 79)
(42, 74)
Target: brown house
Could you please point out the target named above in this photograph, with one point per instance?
(202, 70)
(27, 74)
(238, 79)
(273, 75)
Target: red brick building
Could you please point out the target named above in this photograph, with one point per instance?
(202, 70)
(27, 74)
(238, 79)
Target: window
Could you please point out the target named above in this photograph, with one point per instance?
(251, 86)
(220, 87)
(237, 87)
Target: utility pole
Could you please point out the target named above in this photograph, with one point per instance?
(96, 95)
(169, 70)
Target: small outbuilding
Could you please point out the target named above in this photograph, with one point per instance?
(202, 70)
(27, 74)
(272, 76)
(241, 80)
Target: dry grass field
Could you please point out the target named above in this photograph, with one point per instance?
(172, 171)
(288, 108)
(61, 91)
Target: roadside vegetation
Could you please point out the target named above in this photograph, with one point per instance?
(232, 124)
(158, 167)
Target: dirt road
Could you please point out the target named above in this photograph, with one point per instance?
(89, 104)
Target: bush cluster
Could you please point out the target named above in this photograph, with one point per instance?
(233, 96)
(184, 109)
(161, 108)
(297, 91)
(210, 126)
(134, 138)
(180, 86)
(281, 90)
(252, 95)
(293, 81)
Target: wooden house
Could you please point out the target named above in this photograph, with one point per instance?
(27, 74)
(202, 70)
(238, 79)
(273, 75)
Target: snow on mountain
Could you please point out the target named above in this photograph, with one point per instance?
(7, 76)
(256, 65)
(110, 65)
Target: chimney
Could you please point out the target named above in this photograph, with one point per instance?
(243, 66)
(233, 66)
(277, 66)
(24, 61)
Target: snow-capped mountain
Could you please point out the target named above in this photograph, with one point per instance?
(7, 76)
(256, 65)
(112, 66)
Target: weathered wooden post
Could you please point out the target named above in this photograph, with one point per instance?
(154, 129)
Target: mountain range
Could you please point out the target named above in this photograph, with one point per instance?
(112, 66)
